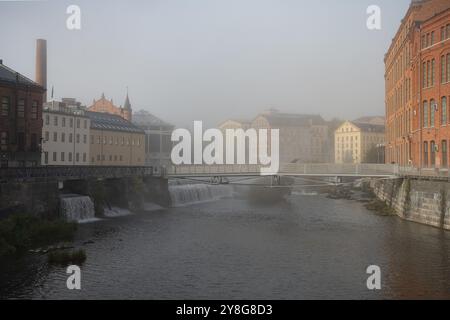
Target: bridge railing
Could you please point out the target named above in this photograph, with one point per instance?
(290, 168)
(70, 172)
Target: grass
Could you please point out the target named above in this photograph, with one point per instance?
(65, 257)
(21, 232)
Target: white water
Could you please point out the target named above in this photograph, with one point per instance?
(77, 208)
(197, 193)
(115, 212)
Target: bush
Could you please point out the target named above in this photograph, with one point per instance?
(20, 232)
(65, 258)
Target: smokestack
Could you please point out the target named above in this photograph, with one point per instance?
(41, 64)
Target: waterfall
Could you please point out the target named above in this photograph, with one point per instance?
(78, 208)
(196, 193)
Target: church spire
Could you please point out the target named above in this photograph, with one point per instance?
(127, 104)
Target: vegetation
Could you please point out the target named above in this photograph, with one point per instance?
(65, 257)
(21, 232)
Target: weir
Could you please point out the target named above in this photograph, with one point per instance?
(196, 193)
(77, 208)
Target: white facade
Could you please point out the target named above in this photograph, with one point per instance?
(65, 136)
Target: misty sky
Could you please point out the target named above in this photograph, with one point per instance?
(209, 60)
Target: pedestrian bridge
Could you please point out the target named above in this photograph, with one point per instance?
(291, 169)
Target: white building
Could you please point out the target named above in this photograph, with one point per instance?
(65, 134)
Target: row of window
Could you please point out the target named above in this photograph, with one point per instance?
(429, 113)
(63, 121)
(429, 39)
(429, 153)
(110, 157)
(63, 137)
(117, 140)
(62, 157)
(5, 108)
(428, 71)
(20, 140)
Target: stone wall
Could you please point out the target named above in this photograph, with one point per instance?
(421, 201)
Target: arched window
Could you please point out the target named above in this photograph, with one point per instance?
(432, 112)
(444, 110)
(433, 153)
(444, 153)
(425, 114)
(425, 154)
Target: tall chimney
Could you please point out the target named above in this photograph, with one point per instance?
(41, 64)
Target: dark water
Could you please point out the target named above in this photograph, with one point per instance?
(307, 247)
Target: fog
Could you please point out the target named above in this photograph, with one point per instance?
(209, 60)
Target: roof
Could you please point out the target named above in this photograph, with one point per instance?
(380, 120)
(276, 119)
(368, 127)
(13, 77)
(145, 120)
(112, 122)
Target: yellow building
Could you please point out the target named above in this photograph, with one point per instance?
(359, 143)
(115, 141)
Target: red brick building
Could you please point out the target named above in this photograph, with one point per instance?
(20, 119)
(107, 106)
(417, 76)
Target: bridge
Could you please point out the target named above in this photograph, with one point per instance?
(291, 169)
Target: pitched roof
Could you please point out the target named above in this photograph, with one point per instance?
(368, 127)
(112, 122)
(146, 120)
(291, 119)
(13, 77)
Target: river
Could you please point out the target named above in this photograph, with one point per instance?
(306, 247)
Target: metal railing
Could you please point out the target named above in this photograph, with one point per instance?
(61, 173)
(287, 169)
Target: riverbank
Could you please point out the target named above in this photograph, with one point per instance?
(22, 232)
(421, 201)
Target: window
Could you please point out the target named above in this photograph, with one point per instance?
(5, 106)
(444, 154)
(70, 137)
(424, 75)
(55, 120)
(78, 123)
(63, 121)
(433, 153)
(70, 156)
(85, 124)
(432, 37)
(425, 154)
(448, 67)
(47, 119)
(77, 157)
(432, 113)
(84, 139)
(443, 71)
(63, 137)
(444, 110)
(71, 122)
(84, 157)
(46, 157)
(425, 114)
(21, 108)
(423, 42)
(4, 141)
(78, 138)
(54, 156)
(47, 135)
(62, 156)
(428, 74)
(55, 136)
(34, 142)
(92, 139)
(433, 63)
(34, 110)
(442, 33)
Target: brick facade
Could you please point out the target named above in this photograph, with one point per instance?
(20, 120)
(418, 89)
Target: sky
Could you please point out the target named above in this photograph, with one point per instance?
(209, 60)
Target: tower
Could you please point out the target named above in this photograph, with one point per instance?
(127, 111)
(41, 64)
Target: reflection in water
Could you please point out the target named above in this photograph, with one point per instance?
(305, 247)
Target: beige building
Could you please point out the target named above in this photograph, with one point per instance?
(303, 138)
(235, 124)
(65, 134)
(115, 141)
(359, 143)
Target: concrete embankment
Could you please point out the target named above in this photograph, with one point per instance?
(422, 201)
(44, 198)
